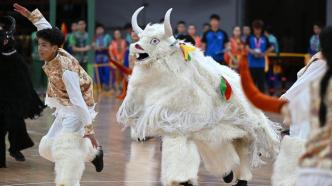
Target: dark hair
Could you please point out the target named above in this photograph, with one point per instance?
(215, 16)
(127, 26)
(325, 39)
(320, 25)
(268, 29)
(258, 24)
(99, 25)
(187, 39)
(181, 23)
(52, 35)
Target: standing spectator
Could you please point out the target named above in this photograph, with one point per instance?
(117, 50)
(314, 40)
(129, 58)
(258, 46)
(180, 29)
(79, 45)
(192, 33)
(74, 28)
(274, 70)
(132, 58)
(128, 29)
(102, 42)
(246, 31)
(206, 27)
(181, 34)
(214, 40)
(235, 49)
(272, 39)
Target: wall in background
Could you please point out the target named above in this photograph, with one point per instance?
(329, 12)
(117, 12)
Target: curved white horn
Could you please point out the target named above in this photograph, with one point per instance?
(134, 24)
(167, 23)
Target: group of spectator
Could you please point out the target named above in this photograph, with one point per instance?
(256, 41)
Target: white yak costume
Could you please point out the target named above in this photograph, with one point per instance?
(180, 98)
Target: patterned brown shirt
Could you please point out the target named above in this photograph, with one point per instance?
(54, 70)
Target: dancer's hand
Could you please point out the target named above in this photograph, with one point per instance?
(92, 139)
(22, 10)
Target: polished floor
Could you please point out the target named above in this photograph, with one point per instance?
(127, 163)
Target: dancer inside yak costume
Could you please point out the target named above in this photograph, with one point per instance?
(197, 106)
(308, 113)
(18, 100)
(70, 141)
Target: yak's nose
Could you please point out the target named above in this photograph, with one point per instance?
(137, 46)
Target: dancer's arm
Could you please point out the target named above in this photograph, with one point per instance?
(72, 83)
(36, 17)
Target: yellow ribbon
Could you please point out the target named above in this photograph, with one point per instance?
(186, 49)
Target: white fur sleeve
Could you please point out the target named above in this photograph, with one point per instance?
(39, 20)
(71, 81)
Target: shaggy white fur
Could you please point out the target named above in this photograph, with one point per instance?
(45, 148)
(69, 152)
(169, 96)
(141, 166)
(180, 161)
(286, 166)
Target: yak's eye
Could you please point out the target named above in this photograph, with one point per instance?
(154, 41)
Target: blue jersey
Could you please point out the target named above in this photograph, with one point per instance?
(262, 44)
(215, 43)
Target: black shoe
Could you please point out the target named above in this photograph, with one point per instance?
(285, 132)
(187, 183)
(17, 155)
(241, 183)
(228, 178)
(144, 139)
(98, 162)
(3, 165)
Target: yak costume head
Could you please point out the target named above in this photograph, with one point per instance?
(156, 40)
(7, 29)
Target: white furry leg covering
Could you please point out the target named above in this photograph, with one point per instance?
(45, 148)
(285, 167)
(133, 135)
(180, 161)
(243, 171)
(219, 158)
(69, 157)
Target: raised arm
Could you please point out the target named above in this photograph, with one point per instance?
(36, 17)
